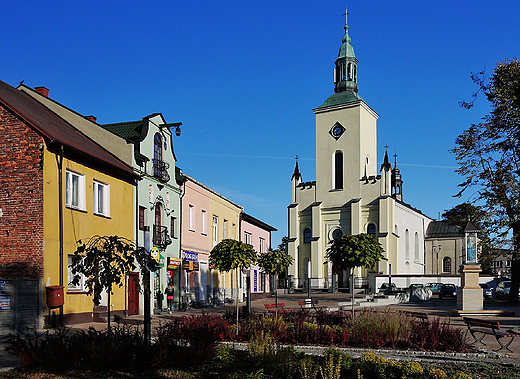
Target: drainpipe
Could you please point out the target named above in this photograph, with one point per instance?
(60, 207)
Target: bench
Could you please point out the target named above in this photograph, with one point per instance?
(305, 305)
(417, 315)
(275, 308)
(484, 327)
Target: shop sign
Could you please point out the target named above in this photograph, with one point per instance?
(173, 263)
(190, 265)
(190, 256)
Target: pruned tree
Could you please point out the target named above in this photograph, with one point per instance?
(274, 262)
(488, 155)
(230, 254)
(350, 251)
(105, 261)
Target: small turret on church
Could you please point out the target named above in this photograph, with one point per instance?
(296, 180)
(386, 181)
(397, 182)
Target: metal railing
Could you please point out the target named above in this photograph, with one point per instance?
(160, 170)
(160, 236)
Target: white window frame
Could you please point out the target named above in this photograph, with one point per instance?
(204, 222)
(82, 285)
(215, 230)
(261, 245)
(75, 184)
(105, 198)
(191, 217)
(247, 238)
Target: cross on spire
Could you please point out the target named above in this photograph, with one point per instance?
(346, 16)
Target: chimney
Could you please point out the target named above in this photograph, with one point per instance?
(91, 118)
(42, 91)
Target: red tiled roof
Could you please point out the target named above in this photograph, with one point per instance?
(57, 130)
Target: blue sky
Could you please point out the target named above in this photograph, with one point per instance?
(243, 77)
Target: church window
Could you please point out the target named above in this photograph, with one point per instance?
(416, 248)
(371, 229)
(407, 244)
(446, 264)
(337, 233)
(338, 170)
(307, 235)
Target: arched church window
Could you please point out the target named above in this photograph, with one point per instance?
(416, 248)
(307, 235)
(371, 229)
(446, 264)
(407, 244)
(338, 170)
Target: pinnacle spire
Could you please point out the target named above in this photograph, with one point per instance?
(345, 74)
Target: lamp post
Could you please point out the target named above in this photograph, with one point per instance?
(436, 250)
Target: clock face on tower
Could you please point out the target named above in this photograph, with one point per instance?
(337, 130)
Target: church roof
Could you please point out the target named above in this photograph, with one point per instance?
(341, 98)
(442, 229)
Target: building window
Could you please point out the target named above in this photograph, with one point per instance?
(371, 230)
(225, 229)
(247, 238)
(215, 230)
(191, 217)
(338, 170)
(261, 245)
(82, 285)
(406, 244)
(172, 227)
(204, 222)
(141, 217)
(416, 248)
(307, 235)
(446, 264)
(101, 198)
(75, 190)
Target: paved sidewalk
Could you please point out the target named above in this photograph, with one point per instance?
(434, 308)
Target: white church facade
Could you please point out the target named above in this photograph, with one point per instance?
(353, 193)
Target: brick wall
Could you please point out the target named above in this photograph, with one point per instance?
(21, 198)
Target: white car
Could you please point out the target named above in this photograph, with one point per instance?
(502, 290)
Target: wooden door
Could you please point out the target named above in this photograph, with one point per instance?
(133, 293)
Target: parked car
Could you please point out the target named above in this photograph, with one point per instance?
(435, 287)
(502, 290)
(448, 290)
(387, 288)
(413, 286)
(487, 291)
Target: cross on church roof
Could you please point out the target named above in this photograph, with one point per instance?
(346, 16)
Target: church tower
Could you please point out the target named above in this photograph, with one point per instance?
(346, 134)
(353, 192)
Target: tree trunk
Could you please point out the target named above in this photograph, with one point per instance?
(108, 329)
(237, 271)
(515, 265)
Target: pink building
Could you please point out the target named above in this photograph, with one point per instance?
(258, 234)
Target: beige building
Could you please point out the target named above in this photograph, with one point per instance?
(354, 192)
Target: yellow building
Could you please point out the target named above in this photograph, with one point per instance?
(71, 189)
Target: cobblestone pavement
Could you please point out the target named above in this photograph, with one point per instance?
(434, 307)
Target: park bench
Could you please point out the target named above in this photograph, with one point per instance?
(280, 307)
(423, 316)
(484, 327)
(313, 305)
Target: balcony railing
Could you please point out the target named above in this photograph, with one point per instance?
(160, 236)
(160, 170)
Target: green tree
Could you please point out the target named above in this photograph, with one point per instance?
(460, 214)
(230, 254)
(350, 251)
(104, 261)
(274, 262)
(489, 158)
